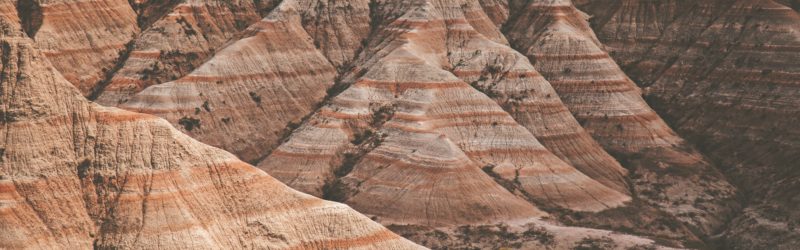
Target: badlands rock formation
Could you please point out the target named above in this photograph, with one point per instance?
(78, 175)
(243, 98)
(666, 171)
(83, 39)
(177, 43)
(454, 123)
(480, 55)
(727, 75)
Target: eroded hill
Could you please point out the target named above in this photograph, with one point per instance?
(466, 123)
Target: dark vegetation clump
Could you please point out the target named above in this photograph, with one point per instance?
(349, 161)
(189, 123)
(539, 234)
(187, 27)
(149, 73)
(256, 97)
(334, 191)
(382, 115)
(362, 136)
(507, 184)
(83, 168)
(590, 243)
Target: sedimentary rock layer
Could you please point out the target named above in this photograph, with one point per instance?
(107, 178)
(482, 57)
(725, 74)
(452, 122)
(177, 43)
(243, 98)
(406, 134)
(339, 27)
(83, 39)
(558, 40)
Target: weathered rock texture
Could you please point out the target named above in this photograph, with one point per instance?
(405, 121)
(243, 98)
(480, 55)
(177, 43)
(458, 124)
(107, 178)
(255, 90)
(405, 142)
(82, 39)
(399, 94)
(667, 173)
(727, 75)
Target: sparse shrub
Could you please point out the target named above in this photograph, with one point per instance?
(362, 136)
(590, 243)
(334, 191)
(382, 115)
(643, 247)
(540, 234)
(189, 123)
(206, 106)
(256, 97)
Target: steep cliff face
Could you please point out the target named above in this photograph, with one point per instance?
(177, 42)
(725, 74)
(83, 39)
(108, 178)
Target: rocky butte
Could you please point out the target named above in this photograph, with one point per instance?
(381, 124)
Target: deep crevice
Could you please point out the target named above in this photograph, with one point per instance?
(31, 17)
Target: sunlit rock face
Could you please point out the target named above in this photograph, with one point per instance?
(75, 174)
(82, 39)
(455, 124)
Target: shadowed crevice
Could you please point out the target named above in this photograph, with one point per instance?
(31, 17)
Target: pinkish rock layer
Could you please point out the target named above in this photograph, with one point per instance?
(406, 128)
(83, 39)
(177, 43)
(667, 172)
(269, 100)
(242, 99)
(507, 76)
(107, 178)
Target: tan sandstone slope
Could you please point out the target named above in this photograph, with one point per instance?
(82, 39)
(244, 98)
(177, 42)
(479, 54)
(78, 175)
